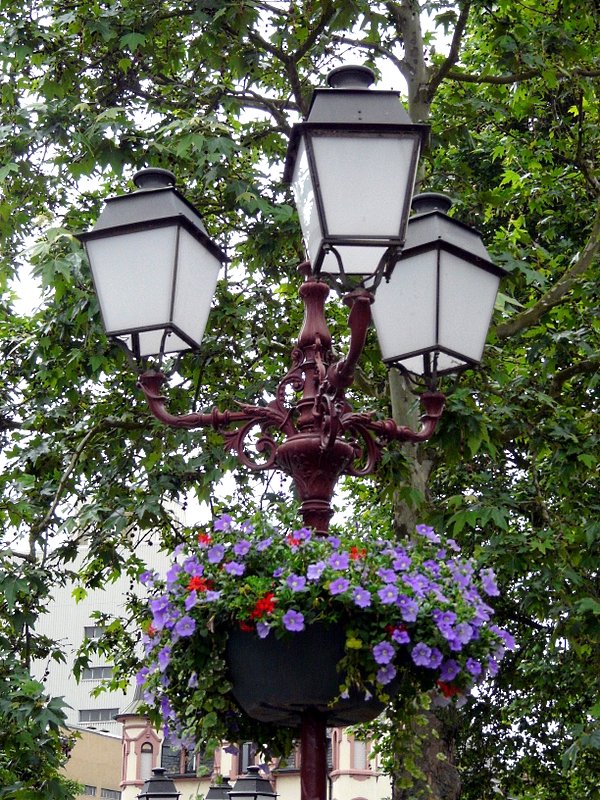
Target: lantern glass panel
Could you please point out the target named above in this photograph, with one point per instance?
(197, 274)
(357, 260)
(364, 182)
(304, 195)
(404, 311)
(139, 294)
(467, 297)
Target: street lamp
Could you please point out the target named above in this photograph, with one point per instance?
(159, 787)
(219, 791)
(252, 786)
(154, 267)
(442, 291)
(352, 166)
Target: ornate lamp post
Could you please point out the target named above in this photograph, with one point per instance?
(352, 167)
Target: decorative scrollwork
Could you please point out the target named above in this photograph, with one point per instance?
(318, 437)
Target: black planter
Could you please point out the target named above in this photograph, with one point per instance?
(274, 680)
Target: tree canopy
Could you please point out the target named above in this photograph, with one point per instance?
(91, 91)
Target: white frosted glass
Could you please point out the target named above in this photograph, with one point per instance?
(133, 277)
(404, 310)
(304, 196)
(356, 260)
(467, 296)
(363, 182)
(197, 274)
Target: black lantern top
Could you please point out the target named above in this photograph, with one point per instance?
(252, 786)
(159, 787)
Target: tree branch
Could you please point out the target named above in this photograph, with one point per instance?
(453, 54)
(555, 295)
(516, 77)
(587, 366)
(104, 425)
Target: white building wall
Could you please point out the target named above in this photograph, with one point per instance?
(66, 622)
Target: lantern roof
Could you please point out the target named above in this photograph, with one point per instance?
(156, 201)
(348, 104)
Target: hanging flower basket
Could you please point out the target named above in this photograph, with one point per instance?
(274, 680)
(251, 626)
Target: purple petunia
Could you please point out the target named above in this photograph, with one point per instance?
(339, 560)
(402, 562)
(314, 571)
(400, 636)
(263, 629)
(474, 667)
(264, 544)
(297, 583)
(210, 596)
(193, 680)
(173, 574)
(361, 597)
(409, 609)
(223, 523)
(141, 676)
(388, 594)
(428, 533)
(216, 554)
(241, 548)
(385, 674)
(421, 654)
(293, 620)
(488, 582)
(383, 652)
(338, 586)
(190, 600)
(387, 575)
(234, 568)
(449, 671)
(185, 626)
(148, 577)
(192, 566)
(164, 658)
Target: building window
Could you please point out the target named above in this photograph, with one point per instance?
(97, 714)
(170, 757)
(360, 755)
(146, 761)
(289, 764)
(89, 790)
(94, 631)
(110, 794)
(96, 673)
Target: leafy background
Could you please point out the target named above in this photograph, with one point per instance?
(91, 91)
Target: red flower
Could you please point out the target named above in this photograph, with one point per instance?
(198, 584)
(448, 689)
(152, 630)
(204, 538)
(392, 628)
(292, 541)
(357, 552)
(247, 627)
(264, 605)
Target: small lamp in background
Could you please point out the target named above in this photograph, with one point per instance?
(159, 787)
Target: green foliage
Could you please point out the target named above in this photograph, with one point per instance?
(89, 92)
(33, 744)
